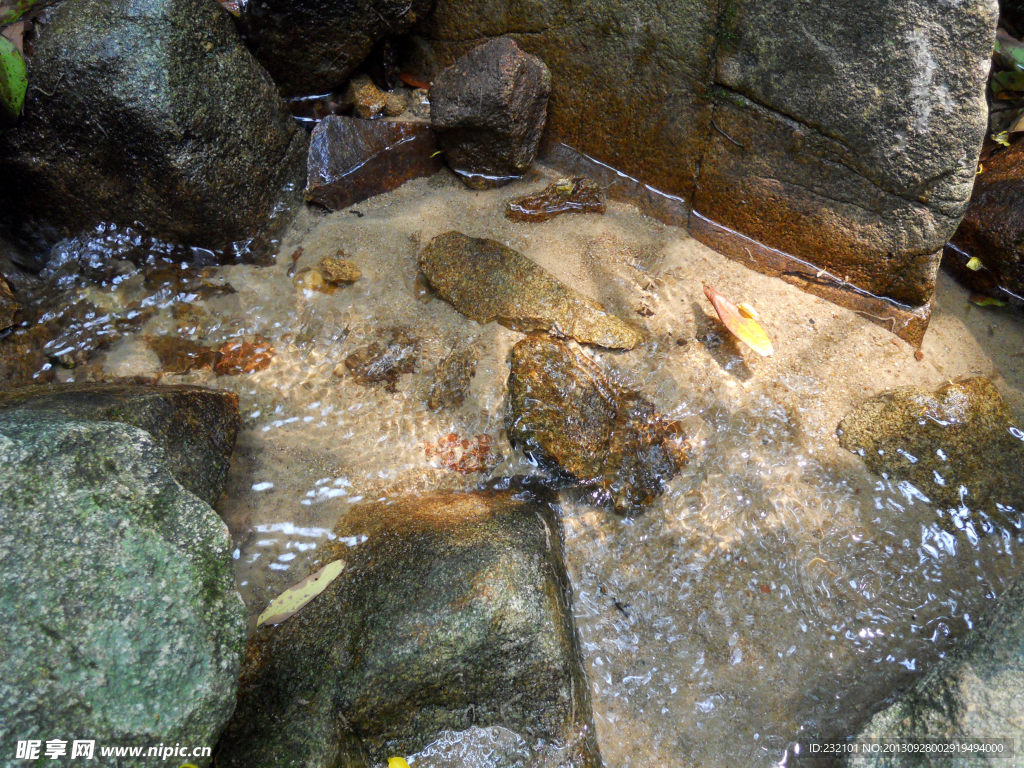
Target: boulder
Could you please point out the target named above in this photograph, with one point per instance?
(454, 612)
(854, 151)
(147, 111)
(564, 411)
(194, 426)
(487, 281)
(489, 109)
(121, 620)
(314, 46)
(957, 447)
(352, 159)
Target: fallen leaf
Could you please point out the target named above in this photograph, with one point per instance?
(747, 311)
(289, 602)
(1002, 138)
(13, 82)
(745, 329)
(986, 301)
(974, 264)
(397, 762)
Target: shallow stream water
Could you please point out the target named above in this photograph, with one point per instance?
(778, 592)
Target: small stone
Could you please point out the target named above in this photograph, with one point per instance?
(180, 355)
(918, 355)
(339, 271)
(394, 104)
(419, 103)
(367, 99)
(241, 356)
(576, 195)
(464, 455)
(452, 378)
(385, 363)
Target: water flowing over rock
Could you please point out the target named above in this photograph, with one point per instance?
(957, 446)
(121, 620)
(576, 195)
(489, 110)
(564, 410)
(487, 281)
(453, 611)
(452, 377)
(313, 46)
(148, 111)
(352, 159)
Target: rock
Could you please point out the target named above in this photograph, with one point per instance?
(454, 611)
(993, 228)
(575, 195)
(976, 692)
(957, 446)
(366, 98)
(351, 159)
(122, 623)
(565, 412)
(486, 281)
(339, 271)
(385, 363)
(194, 426)
(463, 454)
(419, 103)
(488, 110)
(452, 378)
(394, 104)
(243, 356)
(9, 305)
(152, 112)
(314, 46)
(855, 152)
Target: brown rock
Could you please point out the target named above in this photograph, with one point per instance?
(385, 363)
(394, 104)
(351, 159)
(452, 378)
(366, 98)
(575, 195)
(9, 305)
(338, 271)
(241, 356)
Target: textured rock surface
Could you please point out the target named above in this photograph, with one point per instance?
(150, 111)
(313, 46)
(339, 271)
(564, 410)
(486, 281)
(855, 151)
(577, 195)
(385, 362)
(454, 611)
(958, 446)
(352, 159)
(121, 619)
(489, 110)
(196, 427)
(452, 377)
(9, 305)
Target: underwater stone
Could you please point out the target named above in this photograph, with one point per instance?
(385, 363)
(337, 271)
(488, 110)
(960, 436)
(352, 159)
(121, 619)
(454, 611)
(564, 411)
(576, 195)
(486, 281)
(452, 378)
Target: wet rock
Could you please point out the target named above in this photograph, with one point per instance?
(153, 113)
(339, 271)
(452, 378)
(394, 104)
(565, 412)
(194, 426)
(454, 611)
(576, 195)
(488, 110)
(314, 46)
(385, 363)
(351, 159)
(419, 103)
(178, 354)
(486, 281)
(312, 280)
(957, 446)
(122, 623)
(9, 305)
(243, 356)
(366, 98)
(463, 454)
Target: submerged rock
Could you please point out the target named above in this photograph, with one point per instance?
(148, 112)
(339, 271)
(488, 110)
(486, 281)
(576, 195)
(351, 159)
(452, 377)
(564, 411)
(455, 610)
(121, 619)
(957, 446)
(385, 363)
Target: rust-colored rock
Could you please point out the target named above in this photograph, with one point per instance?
(464, 455)
(339, 271)
(385, 363)
(351, 159)
(366, 98)
(576, 195)
(241, 356)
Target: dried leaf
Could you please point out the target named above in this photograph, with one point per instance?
(1017, 126)
(974, 264)
(397, 762)
(745, 329)
(986, 301)
(1002, 138)
(289, 602)
(747, 311)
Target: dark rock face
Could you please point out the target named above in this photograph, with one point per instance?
(487, 281)
(150, 111)
(576, 195)
(195, 427)
(352, 159)
(454, 611)
(122, 623)
(855, 152)
(961, 436)
(564, 411)
(489, 110)
(313, 46)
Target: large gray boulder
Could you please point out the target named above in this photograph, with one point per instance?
(121, 620)
(845, 133)
(150, 111)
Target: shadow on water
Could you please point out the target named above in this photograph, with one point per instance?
(723, 347)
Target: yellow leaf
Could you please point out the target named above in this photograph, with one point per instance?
(288, 603)
(747, 311)
(745, 329)
(974, 263)
(397, 762)
(986, 301)
(1001, 138)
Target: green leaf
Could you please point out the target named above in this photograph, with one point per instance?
(1010, 48)
(12, 10)
(974, 264)
(288, 603)
(986, 301)
(13, 82)
(1010, 80)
